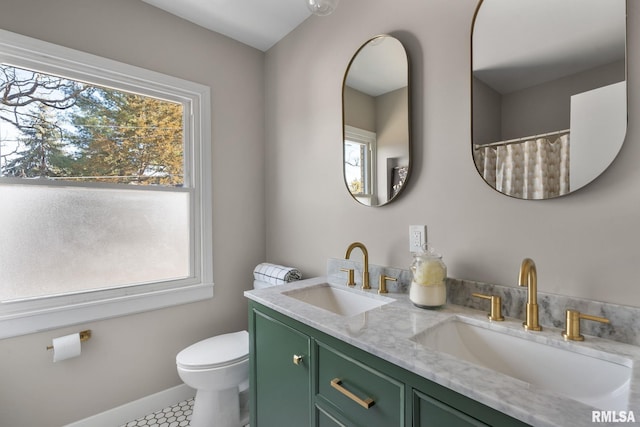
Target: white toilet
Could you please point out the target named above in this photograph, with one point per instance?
(218, 368)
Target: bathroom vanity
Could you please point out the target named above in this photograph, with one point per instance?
(323, 358)
(305, 377)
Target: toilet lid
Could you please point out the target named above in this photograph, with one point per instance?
(221, 350)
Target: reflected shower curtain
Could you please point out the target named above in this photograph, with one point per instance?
(534, 169)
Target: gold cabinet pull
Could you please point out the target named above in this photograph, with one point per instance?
(297, 359)
(365, 403)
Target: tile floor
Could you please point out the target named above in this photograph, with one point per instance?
(178, 415)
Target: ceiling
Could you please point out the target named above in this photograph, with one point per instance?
(379, 67)
(521, 43)
(257, 23)
(262, 23)
(559, 37)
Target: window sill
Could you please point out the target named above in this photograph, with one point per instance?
(17, 324)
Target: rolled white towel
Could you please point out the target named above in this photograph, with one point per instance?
(275, 274)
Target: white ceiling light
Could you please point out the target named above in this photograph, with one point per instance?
(322, 7)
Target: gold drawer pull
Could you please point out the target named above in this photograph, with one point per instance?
(297, 360)
(337, 384)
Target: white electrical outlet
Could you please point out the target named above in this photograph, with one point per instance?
(417, 237)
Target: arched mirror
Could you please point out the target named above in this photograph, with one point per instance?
(375, 114)
(549, 93)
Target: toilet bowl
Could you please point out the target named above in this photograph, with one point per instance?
(218, 368)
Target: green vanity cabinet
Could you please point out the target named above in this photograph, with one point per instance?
(433, 405)
(336, 384)
(430, 412)
(282, 383)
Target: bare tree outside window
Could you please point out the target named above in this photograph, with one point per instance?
(62, 129)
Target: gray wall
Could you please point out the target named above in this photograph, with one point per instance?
(535, 110)
(392, 137)
(584, 244)
(134, 356)
(359, 109)
(487, 113)
(546, 107)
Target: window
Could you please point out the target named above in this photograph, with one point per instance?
(359, 162)
(105, 188)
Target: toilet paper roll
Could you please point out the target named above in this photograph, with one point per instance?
(66, 347)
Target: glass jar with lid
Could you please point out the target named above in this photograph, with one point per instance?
(429, 273)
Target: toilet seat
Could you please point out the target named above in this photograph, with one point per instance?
(216, 352)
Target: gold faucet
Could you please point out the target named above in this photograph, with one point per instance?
(496, 306)
(382, 283)
(529, 277)
(365, 272)
(572, 330)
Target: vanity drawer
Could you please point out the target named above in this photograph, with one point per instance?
(364, 396)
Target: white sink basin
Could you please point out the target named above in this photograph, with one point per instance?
(345, 302)
(596, 382)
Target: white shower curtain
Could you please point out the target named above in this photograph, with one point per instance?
(533, 169)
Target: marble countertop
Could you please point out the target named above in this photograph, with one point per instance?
(386, 332)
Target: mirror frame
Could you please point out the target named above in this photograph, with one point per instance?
(408, 124)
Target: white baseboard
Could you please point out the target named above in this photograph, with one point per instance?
(138, 408)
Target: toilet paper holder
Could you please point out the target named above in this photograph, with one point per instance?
(84, 336)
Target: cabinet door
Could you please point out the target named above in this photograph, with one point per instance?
(326, 420)
(281, 382)
(430, 412)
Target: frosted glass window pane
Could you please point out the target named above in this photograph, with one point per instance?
(58, 240)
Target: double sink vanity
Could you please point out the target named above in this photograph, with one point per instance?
(326, 354)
